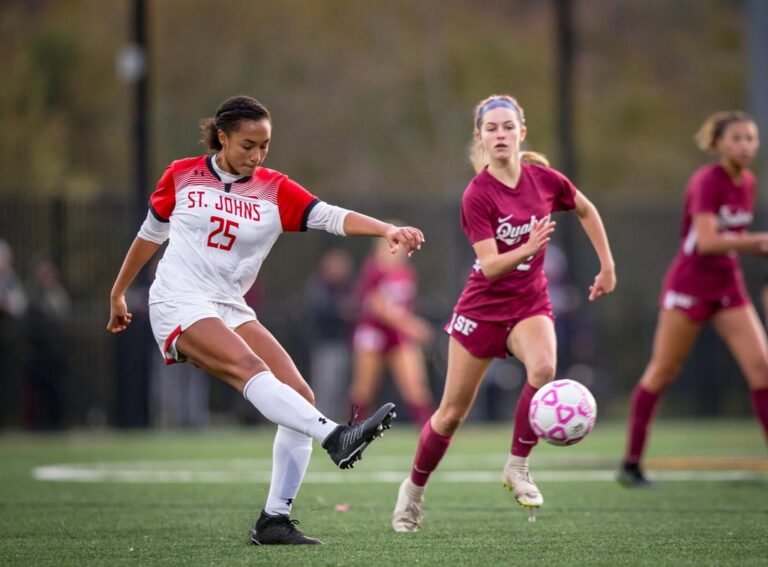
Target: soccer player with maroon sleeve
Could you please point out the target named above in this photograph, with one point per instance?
(222, 213)
(705, 283)
(504, 308)
(389, 333)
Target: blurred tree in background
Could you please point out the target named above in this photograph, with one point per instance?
(651, 72)
(368, 98)
(64, 113)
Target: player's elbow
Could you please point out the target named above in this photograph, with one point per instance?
(489, 270)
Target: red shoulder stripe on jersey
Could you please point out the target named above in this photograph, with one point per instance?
(156, 214)
(163, 200)
(292, 203)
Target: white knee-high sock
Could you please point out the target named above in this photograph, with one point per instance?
(284, 406)
(290, 457)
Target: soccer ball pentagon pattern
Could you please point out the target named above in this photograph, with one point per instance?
(563, 412)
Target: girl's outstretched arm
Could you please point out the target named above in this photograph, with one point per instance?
(605, 281)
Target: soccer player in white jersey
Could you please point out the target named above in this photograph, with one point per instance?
(222, 213)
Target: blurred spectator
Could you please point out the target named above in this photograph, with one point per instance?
(45, 392)
(254, 297)
(13, 305)
(13, 301)
(390, 334)
(575, 341)
(330, 312)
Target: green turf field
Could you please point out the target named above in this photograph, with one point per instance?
(190, 499)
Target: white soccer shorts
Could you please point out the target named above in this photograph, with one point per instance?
(171, 318)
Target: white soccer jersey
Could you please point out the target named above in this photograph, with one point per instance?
(221, 232)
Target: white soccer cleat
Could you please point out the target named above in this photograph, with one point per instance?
(518, 480)
(408, 513)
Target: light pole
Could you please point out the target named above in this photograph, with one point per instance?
(757, 29)
(133, 69)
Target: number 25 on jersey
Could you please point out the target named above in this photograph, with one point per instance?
(221, 235)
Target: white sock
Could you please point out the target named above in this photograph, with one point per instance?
(290, 457)
(517, 462)
(414, 491)
(283, 405)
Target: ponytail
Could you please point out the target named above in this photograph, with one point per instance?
(535, 158)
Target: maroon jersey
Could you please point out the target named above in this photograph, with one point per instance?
(397, 285)
(490, 209)
(710, 276)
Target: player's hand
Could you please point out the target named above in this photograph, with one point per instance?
(119, 318)
(540, 235)
(408, 237)
(605, 283)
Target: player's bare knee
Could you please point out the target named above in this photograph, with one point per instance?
(541, 373)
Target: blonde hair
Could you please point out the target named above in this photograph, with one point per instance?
(477, 154)
(714, 127)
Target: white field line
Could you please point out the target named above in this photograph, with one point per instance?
(258, 471)
(458, 462)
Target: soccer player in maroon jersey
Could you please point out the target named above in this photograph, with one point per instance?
(705, 283)
(504, 308)
(223, 212)
(389, 332)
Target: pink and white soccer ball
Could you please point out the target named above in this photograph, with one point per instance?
(563, 412)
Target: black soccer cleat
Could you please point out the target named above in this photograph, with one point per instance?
(631, 476)
(279, 530)
(346, 443)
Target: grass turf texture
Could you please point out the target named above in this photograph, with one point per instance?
(467, 523)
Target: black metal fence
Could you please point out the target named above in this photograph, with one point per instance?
(605, 343)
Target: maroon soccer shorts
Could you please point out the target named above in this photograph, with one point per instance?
(485, 339)
(702, 310)
(373, 338)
